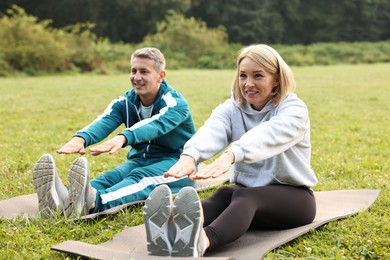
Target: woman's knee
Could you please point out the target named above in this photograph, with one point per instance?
(225, 191)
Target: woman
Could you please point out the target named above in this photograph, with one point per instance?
(266, 130)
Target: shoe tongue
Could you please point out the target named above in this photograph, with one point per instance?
(61, 189)
(90, 195)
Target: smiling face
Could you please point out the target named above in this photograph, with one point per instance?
(255, 83)
(146, 79)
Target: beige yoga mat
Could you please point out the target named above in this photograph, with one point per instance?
(131, 242)
(27, 205)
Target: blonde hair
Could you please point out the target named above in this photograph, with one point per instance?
(153, 54)
(270, 60)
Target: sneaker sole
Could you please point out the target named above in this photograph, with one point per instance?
(157, 211)
(186, 216)
(77, 178)
(43, 179)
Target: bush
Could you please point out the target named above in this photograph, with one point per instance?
(335, 53)
(186, 39)
(5, 69)
(115, 55)
(32, 46)
(222, 58)
(28, 45)
(82, 43)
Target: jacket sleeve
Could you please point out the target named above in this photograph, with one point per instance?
(213, 136)
(286, 128)
(105, 123)
(168, 118)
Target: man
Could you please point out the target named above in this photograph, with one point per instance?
(158, 123)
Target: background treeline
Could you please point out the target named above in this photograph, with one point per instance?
(245, 21)
(33, 46)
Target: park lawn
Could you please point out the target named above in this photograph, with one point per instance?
(350, 123)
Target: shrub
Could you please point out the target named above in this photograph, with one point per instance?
(335, 53)
(29, 45)
(5, 69)
(186, 39)
(32, 46)
(222, 58)
(115, 55)
(82, 43)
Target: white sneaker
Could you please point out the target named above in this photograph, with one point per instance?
(188, 218)
(51, 192)
(81, 194)
(157, 216)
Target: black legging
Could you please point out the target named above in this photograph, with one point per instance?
(232, 210)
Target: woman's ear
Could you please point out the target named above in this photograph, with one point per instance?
(277, 81)
(275, 90)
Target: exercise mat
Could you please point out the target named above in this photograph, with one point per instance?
(131, 242)
(27, 205)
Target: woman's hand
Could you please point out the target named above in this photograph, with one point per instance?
(216, 168)
(185, 166)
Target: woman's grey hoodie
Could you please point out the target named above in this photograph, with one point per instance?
(271, 146)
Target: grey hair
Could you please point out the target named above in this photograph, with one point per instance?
(153, 54)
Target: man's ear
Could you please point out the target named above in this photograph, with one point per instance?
(163, 74)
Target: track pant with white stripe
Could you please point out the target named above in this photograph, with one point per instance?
(134, 180)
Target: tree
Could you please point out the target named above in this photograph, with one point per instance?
(132, 20)
(119, 20)
(336, 20)
(244, 20)
(296, 21)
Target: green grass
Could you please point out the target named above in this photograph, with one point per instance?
(349, 108)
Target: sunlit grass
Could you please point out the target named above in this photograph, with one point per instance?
(349, 109)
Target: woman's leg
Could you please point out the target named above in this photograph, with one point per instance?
(269, 207)
(214, 205)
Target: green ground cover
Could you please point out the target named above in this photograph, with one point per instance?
(349, 109)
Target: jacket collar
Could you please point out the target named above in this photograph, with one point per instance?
(137, 101)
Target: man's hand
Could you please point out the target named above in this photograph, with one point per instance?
(75, 145)
(184, 167)
(110, 146)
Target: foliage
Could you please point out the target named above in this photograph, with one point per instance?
(5, 68)
(221, 58)
(336, 53)
(246, 21)
(118, 20)
(30, 46)
(296, 21)
(115, 56)
(186, 39)
(350, 137)
(33, 46)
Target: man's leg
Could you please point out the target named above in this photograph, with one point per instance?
(116, 175)
(139, 183)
